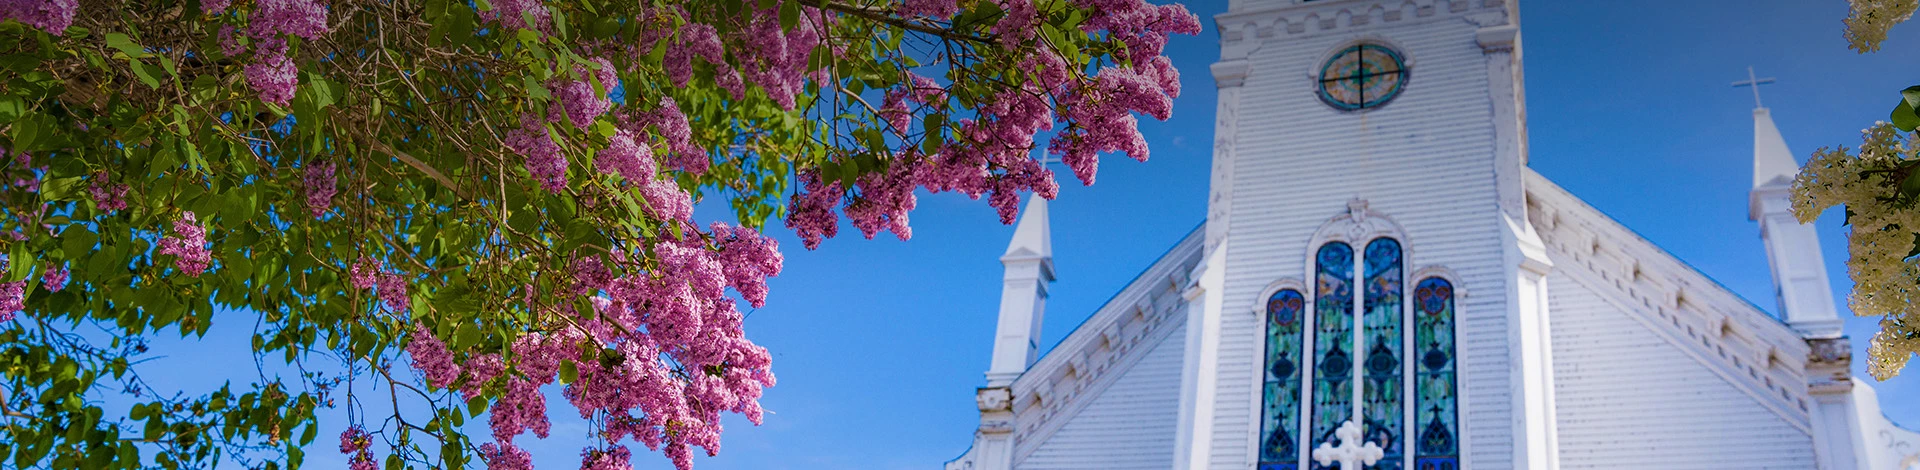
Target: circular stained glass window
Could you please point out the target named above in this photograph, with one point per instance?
(1362, 76)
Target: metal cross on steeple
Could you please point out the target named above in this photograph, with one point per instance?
(1351, 454)
(1754, 82)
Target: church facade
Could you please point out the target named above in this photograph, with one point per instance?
(1381, 282)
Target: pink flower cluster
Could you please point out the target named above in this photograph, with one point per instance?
(355, 442)
(776, 59)
(54, 277)
(390, 287)
(13, 296)
(578, 102)
(271, 23)
(935, 9)
(513, 14)
(671, 353)
(107, 195)
(672, 126)
(990, 154)
(545, 162)
(188, 245)
(51, 16)
(319, 184)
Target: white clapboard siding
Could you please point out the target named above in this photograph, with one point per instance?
(1427, 161)
(1130, 425)
(1629, 398)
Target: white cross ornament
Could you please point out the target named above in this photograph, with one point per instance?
(1352, 453)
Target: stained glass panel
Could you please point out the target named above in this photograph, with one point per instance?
(1362, 76)
(1436, 402)
(1381, 391)
(1333, 338)
(1280, 401)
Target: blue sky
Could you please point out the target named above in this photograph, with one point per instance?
(879, 344)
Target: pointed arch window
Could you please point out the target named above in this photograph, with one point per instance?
(1280, 402)
(1357, 345)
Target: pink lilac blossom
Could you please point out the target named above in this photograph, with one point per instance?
(505, 457)
(320, 187)
(810, 212)
(612, 458)
(393, 292)
(430, 357)
(884, 201)
(544, 160)
(1017, 24)
(215, 7)
(623, 156)
(666, 201)
(188, 245)
(54, 278)
(580, 104)
(228, 44)
(678, 133)
(273, 77)
(304, 18)
(13, 298)
(364, 273)
(354, 439)
(696, 40)
(50, 16)
(934, 9)
(748, 259)
(107, 196)
(513, 14)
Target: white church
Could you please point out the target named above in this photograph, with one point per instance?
(1383, 283)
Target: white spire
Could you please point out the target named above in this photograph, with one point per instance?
(1793, 249)
(1772, 162)
(1033, 236)
(1023, 296)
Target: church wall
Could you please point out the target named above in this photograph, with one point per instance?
(1629, 398)
(1426, 160)
(1130, 425)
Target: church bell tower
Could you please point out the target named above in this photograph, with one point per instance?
(1361, 148)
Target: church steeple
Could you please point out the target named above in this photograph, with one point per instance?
(1793, 249)
(1023, 297)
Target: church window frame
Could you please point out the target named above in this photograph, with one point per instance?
(1357, 228)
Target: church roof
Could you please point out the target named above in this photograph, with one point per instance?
(1736, 339)
(1097, 352)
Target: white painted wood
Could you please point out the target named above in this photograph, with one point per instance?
(1629, 398)
(1023, 295)
(1793, 248)
(1129, 425)
(1429, 160)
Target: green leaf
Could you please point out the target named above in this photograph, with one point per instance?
(789, 15)
(1912, 96)
(60, 189)
(125, 45)
(1904, 118)
(144, 72)
(568, 372)
(477, 405)
(469, 335)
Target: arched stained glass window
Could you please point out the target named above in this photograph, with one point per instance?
(1436, 403)
(1280, 396)
(1381, 391)
(1333, 339)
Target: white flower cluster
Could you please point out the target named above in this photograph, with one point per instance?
(1868, 22)
(1883, 227)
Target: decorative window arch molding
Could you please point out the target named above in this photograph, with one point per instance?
(1357, 226)
(1259, 305)
(1442, 272)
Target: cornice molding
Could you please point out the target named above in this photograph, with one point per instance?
(1243, 31)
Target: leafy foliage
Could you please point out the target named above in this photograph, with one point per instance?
(465, 202)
